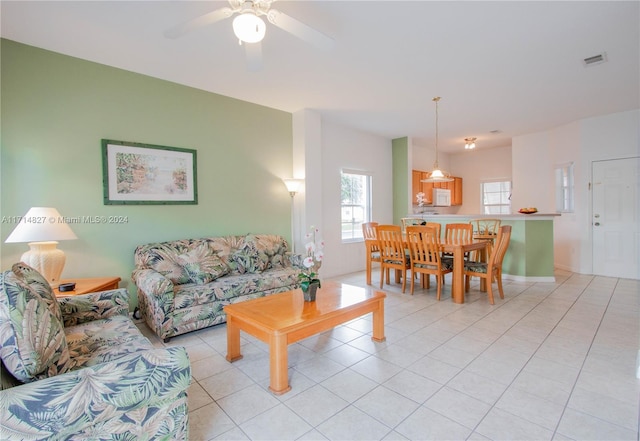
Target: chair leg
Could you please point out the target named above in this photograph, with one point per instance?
(368, 269)
(439, 279)
(412, 280)
(467, 283)
(404, 280)
(490, 289)
(383, 270)
(499, 279)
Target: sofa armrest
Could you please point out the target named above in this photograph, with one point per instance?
(94, 306)
(143, 395)
(296, 260)
(152, 282)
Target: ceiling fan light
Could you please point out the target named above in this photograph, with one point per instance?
(470, 143)
(249, 28)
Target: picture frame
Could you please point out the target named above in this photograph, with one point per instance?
(137, 173)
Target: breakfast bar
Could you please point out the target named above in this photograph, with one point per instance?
(530, 254)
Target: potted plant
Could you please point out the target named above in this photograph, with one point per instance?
(309, 277)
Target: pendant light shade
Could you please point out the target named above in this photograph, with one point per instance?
(436, 174)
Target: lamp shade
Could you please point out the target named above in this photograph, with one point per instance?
(293, 185)
(42, 227)
(249, 28)
(41, 224)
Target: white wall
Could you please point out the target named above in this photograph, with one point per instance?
(532, 171)
(341, 148)
(475, 167)
(534, 158)
(346, 148)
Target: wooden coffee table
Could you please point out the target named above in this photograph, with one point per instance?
(285, 318)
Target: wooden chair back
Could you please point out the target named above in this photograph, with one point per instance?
(485, 227)
(392, 251)
(458, 233)
(424, 251)
(500, 249)
(407, 221)
(424, 245)
(437, 227)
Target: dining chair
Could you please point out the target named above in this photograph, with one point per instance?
(485, 229)
(458, 233)
(424, 253)
(493, 267)
(371, 246)
(392, 253)
(437, 227)
(407, 221)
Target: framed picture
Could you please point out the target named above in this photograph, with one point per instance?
(135, 173)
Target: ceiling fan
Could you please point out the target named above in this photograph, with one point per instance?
(250, 28)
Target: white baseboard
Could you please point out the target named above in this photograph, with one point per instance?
(550, 279)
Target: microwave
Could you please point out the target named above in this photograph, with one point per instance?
(441, 197)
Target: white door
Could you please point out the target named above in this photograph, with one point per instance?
(616, 223)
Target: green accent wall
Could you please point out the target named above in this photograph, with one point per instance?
(400, 158)
(55, 110)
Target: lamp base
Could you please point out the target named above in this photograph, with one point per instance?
(47, 259)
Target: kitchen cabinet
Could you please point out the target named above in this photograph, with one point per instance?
(427, 188)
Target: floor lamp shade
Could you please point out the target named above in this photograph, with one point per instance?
(42, 227)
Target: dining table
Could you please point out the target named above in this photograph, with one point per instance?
(459, 249)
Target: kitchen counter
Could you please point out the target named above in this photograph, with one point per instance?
(530, 254)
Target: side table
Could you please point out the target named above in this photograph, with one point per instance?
(87, 285)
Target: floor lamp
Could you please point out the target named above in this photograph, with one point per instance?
(293, 185)
(42, 227)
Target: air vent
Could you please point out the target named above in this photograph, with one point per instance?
(596, 59)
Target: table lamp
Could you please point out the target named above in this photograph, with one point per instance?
(42, 227)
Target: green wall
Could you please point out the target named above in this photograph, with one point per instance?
(400, 155)
(56, 109)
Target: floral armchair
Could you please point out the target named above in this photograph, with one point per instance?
(79, 368)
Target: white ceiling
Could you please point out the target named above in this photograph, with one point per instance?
(515, 67)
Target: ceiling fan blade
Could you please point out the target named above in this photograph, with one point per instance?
(198, 22)
(253, 52)
(300, 30)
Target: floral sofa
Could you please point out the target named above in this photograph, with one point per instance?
(78, 367)
(184, 284)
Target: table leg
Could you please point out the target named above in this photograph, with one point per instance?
(233, 340)
(378, 323)
(457, 290)
(278, 364)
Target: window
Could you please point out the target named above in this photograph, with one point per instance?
(496, 197)
(355, 204)
(564, 188)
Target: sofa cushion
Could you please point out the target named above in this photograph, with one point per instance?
(104, 340)
(260, 252)
(39, 284)
(188, 261)
(32, 339)
(201, 265)
(248, 258)
(232, 286)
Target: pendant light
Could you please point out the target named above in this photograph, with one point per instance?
(436, 174)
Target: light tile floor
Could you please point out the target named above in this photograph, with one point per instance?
(550, 361)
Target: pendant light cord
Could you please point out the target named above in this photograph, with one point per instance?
(436, 99)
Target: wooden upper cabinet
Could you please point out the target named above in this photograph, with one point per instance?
(427, 188)
(417, 187)
(456, 191)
